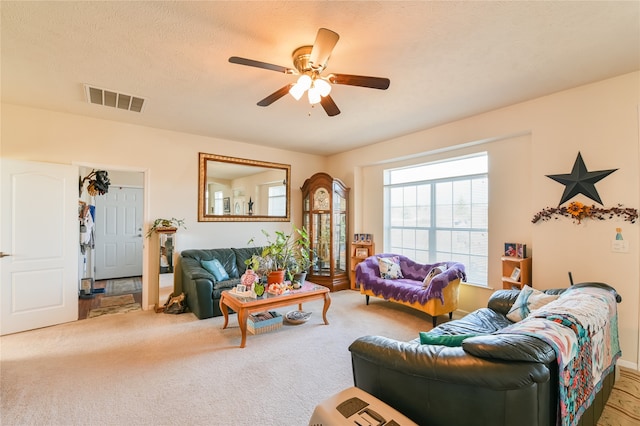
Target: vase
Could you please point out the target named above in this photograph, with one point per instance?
(300, 277)
(248, 279)
(276, 277)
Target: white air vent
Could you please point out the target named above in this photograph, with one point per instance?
(109, 98)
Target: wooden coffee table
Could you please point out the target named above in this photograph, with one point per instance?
(247, 305)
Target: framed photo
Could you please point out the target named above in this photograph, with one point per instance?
(510, 249)
(356, 238)
(226, 205)
(86, 286)
(515, 275)
(368, 238)
(521, 251)
(362, 252)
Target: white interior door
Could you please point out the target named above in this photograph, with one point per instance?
(118, 233)
(39, 241)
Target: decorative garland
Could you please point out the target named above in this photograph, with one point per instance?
(578, 211)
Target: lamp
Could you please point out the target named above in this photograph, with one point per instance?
(316, 86)
(323, 87)
(303, 84)
(314, 95)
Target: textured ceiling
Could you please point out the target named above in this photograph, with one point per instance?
(446, 61)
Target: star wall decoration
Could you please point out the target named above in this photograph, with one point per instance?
(581, 181)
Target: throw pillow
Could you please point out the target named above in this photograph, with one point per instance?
(451, 341)
(390, 268)
(432, 273)
(215, 267)
(528, 300)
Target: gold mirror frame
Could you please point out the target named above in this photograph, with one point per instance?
(240, 203)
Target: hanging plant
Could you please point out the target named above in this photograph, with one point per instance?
(98, 182)
(578, 211)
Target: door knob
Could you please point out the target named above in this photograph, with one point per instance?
(2, 254)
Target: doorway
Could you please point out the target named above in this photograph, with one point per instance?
(117, 255)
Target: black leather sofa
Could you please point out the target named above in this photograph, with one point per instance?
(502, 379)
(201, 289)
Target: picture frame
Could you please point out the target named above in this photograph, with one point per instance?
(86, 286)
(362, 252)
(226, 205)
(515, 275)
(510, 249)
(356, 238)
(521, 251)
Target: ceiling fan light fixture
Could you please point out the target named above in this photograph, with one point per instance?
(314, 95)
(298, 89)
(324, 88)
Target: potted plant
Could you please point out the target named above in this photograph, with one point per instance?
(159, 224)
(303, 257)
(283, 254)
(276, 256)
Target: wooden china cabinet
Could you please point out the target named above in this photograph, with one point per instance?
(325, 212)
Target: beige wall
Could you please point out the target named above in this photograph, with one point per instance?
(169, 161)
(526, 142)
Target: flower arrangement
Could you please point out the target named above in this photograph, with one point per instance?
(578, 211)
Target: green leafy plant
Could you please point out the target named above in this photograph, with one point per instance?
(290, 252)
(165, 223)
(303, 256)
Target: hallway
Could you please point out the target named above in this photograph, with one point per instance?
(121, 295)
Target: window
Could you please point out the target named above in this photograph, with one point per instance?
(439, 211)
(278, 200)
(217, 202)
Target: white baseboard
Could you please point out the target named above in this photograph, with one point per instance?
(627, 364)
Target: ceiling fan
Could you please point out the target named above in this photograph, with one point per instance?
(309, 62)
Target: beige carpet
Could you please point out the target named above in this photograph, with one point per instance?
(144, 368)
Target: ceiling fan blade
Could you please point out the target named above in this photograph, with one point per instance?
(275, 96)
(360, 80)
(323, 46)
(329, 106)
(258, 64)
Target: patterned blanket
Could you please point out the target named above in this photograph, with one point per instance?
(582, 327)
(409, 288)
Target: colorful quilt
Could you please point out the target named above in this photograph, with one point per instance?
(582, 327)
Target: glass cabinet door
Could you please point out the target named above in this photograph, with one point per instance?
(339, 233)
(322, 242)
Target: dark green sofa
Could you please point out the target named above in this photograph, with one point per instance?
(200, 287)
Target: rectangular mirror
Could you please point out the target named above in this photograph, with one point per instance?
(242, 190)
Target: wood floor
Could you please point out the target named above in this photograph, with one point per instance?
(85, 305)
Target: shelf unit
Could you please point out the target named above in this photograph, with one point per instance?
(357, 257)
(508, 266)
